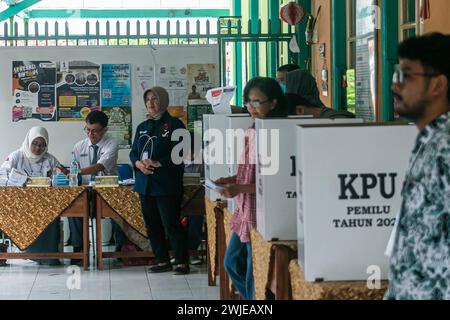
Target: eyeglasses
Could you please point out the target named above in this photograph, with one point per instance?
(400, 75)
(255, 104)
(93, 131)
(39, 146)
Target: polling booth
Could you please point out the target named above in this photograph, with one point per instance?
(349, 180)
(237, 126)
(214, 129)
(276, 175)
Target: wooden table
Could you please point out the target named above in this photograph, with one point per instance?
(271, 266)
(331, 290)
(123, 204)
(106, 210)
(79, 208)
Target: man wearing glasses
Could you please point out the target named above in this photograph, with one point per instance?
(96, 155)
(420, 255)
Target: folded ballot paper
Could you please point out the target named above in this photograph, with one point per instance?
(213, 186)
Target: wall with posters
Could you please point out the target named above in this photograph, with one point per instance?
(144, 62)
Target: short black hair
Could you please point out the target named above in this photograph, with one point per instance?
(272, 90)
(293, 100)
(97, 117)
(431, 50)
(288, 68)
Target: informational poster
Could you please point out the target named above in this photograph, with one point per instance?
(173, 78)
(120, 126)
(77, 89)
(116, 85)
(33, 90)
(201, 78)
(366, 65)
(116, 102)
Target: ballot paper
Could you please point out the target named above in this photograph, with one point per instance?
(220, 99)
(213, 186)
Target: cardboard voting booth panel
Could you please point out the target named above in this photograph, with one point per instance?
(349, 181)
(275, 175)
(237, 126)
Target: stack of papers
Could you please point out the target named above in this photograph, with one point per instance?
(17, 178)
(106, 181)
(39, 182)
(3, 177)
(126, 182)
(60, 180)
(191, 179)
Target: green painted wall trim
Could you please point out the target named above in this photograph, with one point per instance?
(15, 9)
(125, 13)
(339, 52)
(305, 53)
(275, 25)
(254, 17)
(389, 46)
(237, 8)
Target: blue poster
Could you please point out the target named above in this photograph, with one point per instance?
(116, 85)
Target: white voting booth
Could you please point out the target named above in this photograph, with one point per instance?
(275, 175)
(237, 125)
(349, 181)
(215, 146)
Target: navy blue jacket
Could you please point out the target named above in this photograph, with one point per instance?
(155, 137)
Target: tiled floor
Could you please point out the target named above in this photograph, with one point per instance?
(24, 279)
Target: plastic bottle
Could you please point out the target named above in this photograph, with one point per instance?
(73, 172)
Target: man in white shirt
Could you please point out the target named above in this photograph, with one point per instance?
(96, 155)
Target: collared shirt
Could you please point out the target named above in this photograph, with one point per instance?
(44, 167)
(420, 261)
(107, 155)
(244, 217)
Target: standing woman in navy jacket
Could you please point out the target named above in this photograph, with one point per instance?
(159, 182)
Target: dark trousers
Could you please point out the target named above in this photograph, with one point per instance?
(162, 217)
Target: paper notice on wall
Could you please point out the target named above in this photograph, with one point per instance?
(145, 78)
(220, 99)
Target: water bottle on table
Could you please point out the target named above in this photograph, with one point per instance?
(73, 172)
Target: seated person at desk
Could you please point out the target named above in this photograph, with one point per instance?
(301, 106)
(96, 155)
(33, 159)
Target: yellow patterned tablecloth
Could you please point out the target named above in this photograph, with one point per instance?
(26, 212)
(126, 203)
(338, 290)
(262, 255)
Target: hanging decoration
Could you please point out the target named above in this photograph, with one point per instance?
(292, 13)
(425, 11)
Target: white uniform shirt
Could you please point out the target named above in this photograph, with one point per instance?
(107, 154)
(43, 168)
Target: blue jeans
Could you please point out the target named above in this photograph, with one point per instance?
(238, 265)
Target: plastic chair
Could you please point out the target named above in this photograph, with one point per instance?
(125, 171)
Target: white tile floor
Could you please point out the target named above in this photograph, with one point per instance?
(26, 280)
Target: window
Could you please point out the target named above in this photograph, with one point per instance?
(351, 54)
(409, 22)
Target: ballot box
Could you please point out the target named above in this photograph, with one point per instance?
(349, 180)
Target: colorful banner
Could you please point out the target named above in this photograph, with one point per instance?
(77, 89)
(116, 85)
(33, 90)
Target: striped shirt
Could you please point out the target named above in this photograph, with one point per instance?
(244, 218)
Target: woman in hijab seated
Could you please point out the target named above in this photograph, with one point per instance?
(33, 159)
